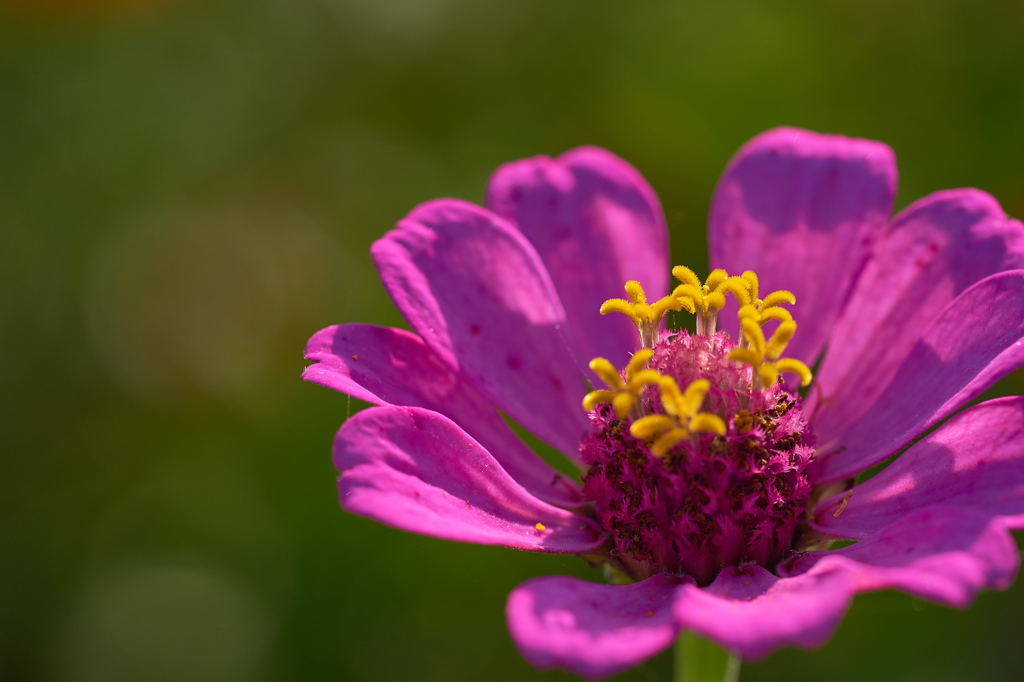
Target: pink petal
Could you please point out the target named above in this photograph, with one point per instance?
(596, 224)
(973, 342)
(751, 612)
(946, 554)
(387, 366)
(416, 470)
(590, 629)
(802, 210)
(936, 248)
(476, 292)
(975, 460)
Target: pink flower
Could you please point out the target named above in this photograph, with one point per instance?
(911, 318)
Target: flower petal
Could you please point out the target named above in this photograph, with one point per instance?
(596, 224)
(751, 612)
(590, 629)
(477, 293)
(943, 553)
(416, 470)
(975, 460)
(802, 210)
(937, 247)
(973, 342)
(387, 366)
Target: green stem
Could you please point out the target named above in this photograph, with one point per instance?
(700, 660)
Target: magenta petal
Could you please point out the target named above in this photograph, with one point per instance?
(591, 629)
(474, 289)
(387, 366)
(802, 210)
(596, 224)
(937, 248)
(976, 460)
(946, 554)
(751, 612)
(416, 470)
(974, 341)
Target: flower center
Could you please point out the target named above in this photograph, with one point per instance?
(690, 481)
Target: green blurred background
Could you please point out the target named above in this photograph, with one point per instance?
(188, 190)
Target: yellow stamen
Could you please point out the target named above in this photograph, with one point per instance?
(707, 422)
(795, 367)
(776, 313)
(665, 442)
(623, 403)
(705, 300)
(686, 276)
(715, 278)
(624, 396)
(651, 425)
(778, 297)
(681, 419)
(641, 379)
(637, 362)
(762, 311)
(646, 317)
(738, 287)
(780, 339)
(751, 278)
(635, 292)
(607, 372)
(617, 305)
(763, 356)
(595, 397)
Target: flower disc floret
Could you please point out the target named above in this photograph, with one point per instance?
(690, 492)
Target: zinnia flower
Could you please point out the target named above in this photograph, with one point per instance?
(713, 484)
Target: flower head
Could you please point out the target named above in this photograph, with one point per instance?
(715, 468)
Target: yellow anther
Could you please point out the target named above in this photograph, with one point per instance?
(651, 425)
(715, 300)
(635, 292)
(780, 339)
(778, 297)
(641, 379)
(715, 278)
(646, 317)
(624, 395)
(682, 417)
(617, 305)
(753, 334)
(705, 300)
(665, 304)
(738, 287)
(763, 356)
(795, 367)
(761, 311)
(686, 276)
(608, 374)
(746, 356)
(595, 397)
(748, 311)
(637, 362)
(776, 313)
(623, 403)
(751, 278)
(705, 421)
(693, 397)
(667, 441)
